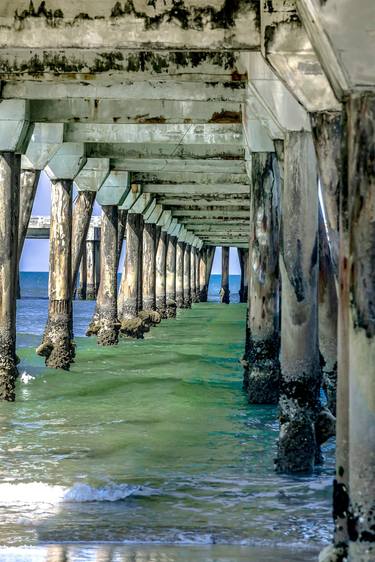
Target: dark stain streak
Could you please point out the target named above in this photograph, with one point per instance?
(53, 18)
(226, 117)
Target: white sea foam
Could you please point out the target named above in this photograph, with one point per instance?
(25, 377)
(39, 493)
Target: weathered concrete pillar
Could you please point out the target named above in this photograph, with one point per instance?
(9, 210)
(128, 299)
(203, 275)
(327, 128)
(28, 187)
(360, 160)
(193, 281)
(82, 282)
(197, 275)
(148, 267)
(105, 323)
(187, 273)
(299, 356)
(210, 261)
(90, 270)
(224, 291)
(122, 214)
(161, 274)
(82, 212)
(57, 346)
(180, 251)
(243, 258)
(97, 258)
(171, 277)
(262, 372)
(327, 317)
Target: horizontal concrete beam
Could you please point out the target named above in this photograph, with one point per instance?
(188, 202)
(191, 177)
(197, 189)
(194, 222)
(126, 90)
(175, 134)
(137, 25)
(214, 212)
(152, 151)
(173, 165)
(133, 111)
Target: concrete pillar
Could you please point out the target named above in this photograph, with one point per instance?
(193, 281)
(105, 320)
(203, 275)
(224, 291)
(299, 356)
(359, 155)
(171, 277)
(82, 212)
(90, 270)
(197, 275)
(243, 258)
(128, 299)
(180, 251)
(187, 273)
(262, 372)
(327, 134)
(210, 261)
(82, 282)
(9, 210)
(122, 214)
(57, 346)
(29, 184)
(327, 317)
(148, 267)
(161, 274)
(97, 258)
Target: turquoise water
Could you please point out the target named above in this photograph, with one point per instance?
(149, 451)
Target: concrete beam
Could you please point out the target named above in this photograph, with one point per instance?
(232, 91)
(136, 25)
(228, 201)
(101, 111)
(131, 197)
(140, 205)
(286, 46)
(175, 165)
(200, 178)
(195, 189)
(175, 134)
(217, 212)
(157, 151)
(15, 127)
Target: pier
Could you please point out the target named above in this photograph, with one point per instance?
(243, 124)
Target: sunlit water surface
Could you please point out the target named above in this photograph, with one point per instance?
(149, 452)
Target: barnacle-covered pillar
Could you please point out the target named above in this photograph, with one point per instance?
(57, 345)
(171, 277)
(193, 281)
(28, 187)
(224, 291)
(90, 269)
(187, 273)
(82, 277)
(197, 274)
(299, 355)
(105, 323)
(148, 266)
(161, 274)
(203, 275)
(129, 298)
(9, 209)
(262, 367)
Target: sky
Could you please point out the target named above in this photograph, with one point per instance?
(35, 254)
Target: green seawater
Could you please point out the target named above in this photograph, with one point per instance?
(149, 451)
